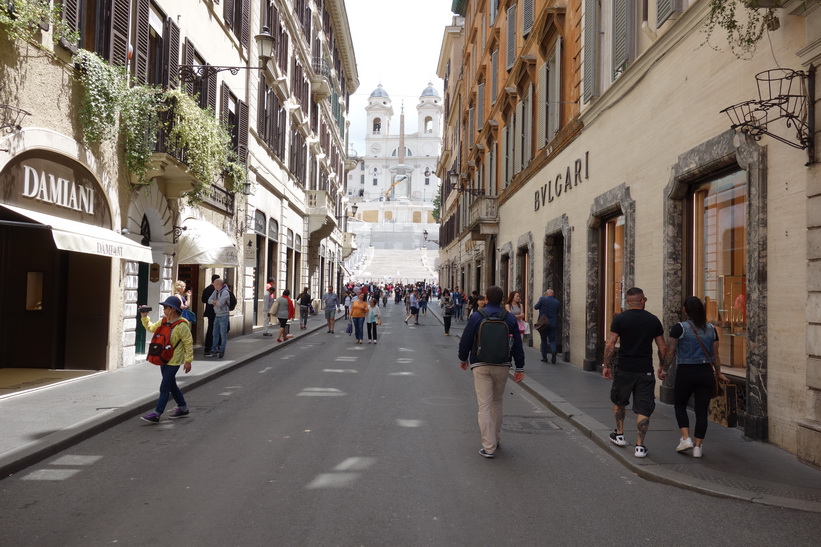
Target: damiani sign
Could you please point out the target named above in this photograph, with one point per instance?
(48, 188)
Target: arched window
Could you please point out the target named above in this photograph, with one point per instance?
(428, 124)
(377, 125)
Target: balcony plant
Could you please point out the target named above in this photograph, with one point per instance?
(23, 19)
(745, 22)
(103, 87)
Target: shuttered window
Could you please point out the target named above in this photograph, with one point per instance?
(511, 37)
(664, 9)
(171, 55)
(141, 41)
(471, 127)
(554, 92)
(494, 75)
(527, 129)
(518, 137)
(542, 105)
(102, 25)
(623, 35)
(591, 50)
(480, 106)
(527, 17)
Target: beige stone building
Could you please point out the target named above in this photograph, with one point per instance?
(590, 154)
(83, 238)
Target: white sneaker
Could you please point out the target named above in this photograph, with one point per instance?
(641, 452)
(684, 444)
(697, 451)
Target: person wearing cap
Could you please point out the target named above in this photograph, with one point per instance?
(207, 292)
(181, 335)
(219, 299)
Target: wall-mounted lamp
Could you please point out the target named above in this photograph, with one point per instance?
(247, 188)
(455, 184)
(425, 235)
(265, 47)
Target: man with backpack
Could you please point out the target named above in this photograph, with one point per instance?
(490, 339)
(221, 300)
(170, 332)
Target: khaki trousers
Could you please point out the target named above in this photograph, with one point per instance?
(490, 381)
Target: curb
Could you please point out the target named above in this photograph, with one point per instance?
(17, 459)
(649, 470)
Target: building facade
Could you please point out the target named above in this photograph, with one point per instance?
(596, 140)
(85, 238)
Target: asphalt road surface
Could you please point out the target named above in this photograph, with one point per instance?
(329, 443)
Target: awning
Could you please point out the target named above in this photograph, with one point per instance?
(70, 235)
(204, 244)
(344, 269)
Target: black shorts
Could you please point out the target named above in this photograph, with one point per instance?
(282, 321)
(414, 310)
(641, 385)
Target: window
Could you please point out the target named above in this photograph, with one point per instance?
(157, 47)
(511, 37)
(427, 181)
(237, 15)
(718, 261)
(102, 25)
(550, 100)
(377, 125)
(205, 92)
(527, 19)
(375, 182)
(362, 179)
(609, 43)
(494, 75)
(235, 116)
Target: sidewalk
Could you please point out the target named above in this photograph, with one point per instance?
(732, 466)
(40, 423)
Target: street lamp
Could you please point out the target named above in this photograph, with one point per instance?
(265, 46)
(454, 176)
(425, 235)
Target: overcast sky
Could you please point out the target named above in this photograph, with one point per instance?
(396, 44)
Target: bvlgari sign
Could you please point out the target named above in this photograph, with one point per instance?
(49, 183)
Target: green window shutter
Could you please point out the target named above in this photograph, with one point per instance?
(591, 49)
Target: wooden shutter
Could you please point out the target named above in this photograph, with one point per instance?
(488, 179)
(591, 49)
(554, 121)
(621, 37)
(494, 75)
(527, 17)
(527, 127)
(71, 17)
(664, 9)
(120, 25)
(141, 41)
(225, 92)
(263, 112)
(511, 37)
(246, 24)
(471, 127)
(228, 12)
(543, 106)
(242, 132)
(211, 99)
(188, 59)
(517, 138)
(480, 105)
(171, 54)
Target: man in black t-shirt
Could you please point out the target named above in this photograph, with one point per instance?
(636, 329)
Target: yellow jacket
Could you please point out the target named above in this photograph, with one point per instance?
(181, 333)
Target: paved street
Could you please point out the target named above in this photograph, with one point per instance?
(328, 443)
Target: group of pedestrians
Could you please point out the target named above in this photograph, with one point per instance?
(693, 347)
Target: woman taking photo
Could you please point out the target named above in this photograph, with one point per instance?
(694, 346)
(359, 309)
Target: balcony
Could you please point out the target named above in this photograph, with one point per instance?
(169, 162)
(320, 79)
(321, 219)
(348, 244)
(483, 220)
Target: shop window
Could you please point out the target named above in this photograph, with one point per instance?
(718, 261)
(612, 268)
